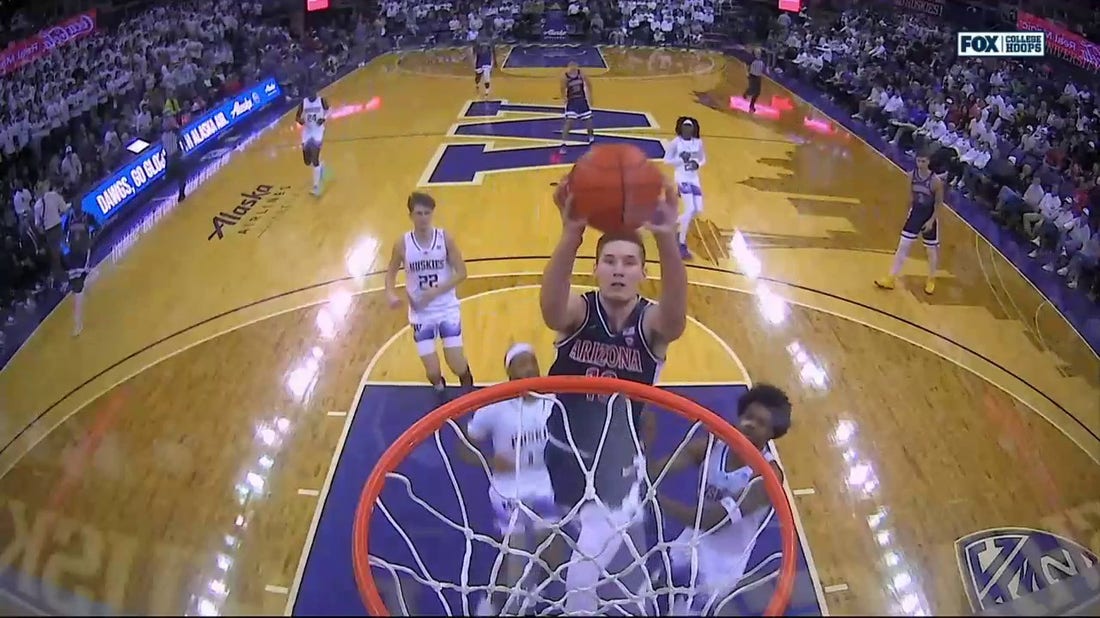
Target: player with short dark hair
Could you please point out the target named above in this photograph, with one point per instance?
(576, 92)
(926, 190)
(311, 117)
(77, 228)
(483, 68)
(610, 332)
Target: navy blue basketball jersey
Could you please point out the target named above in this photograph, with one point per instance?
(594, 350)
(574, 87)
(922, 209)
(923, 194)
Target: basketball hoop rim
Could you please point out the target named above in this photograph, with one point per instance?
(422, 429)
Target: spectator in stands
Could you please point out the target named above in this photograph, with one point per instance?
(1018, 137)
(65, 119)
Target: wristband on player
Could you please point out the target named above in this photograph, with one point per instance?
(732, 508)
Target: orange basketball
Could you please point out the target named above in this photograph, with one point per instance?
(615, 187)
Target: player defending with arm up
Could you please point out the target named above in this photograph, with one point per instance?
(710, 557)
(610, 332)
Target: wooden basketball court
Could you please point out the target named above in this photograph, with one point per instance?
(181, 454)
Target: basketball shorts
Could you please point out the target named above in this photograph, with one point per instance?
(578, 109)
(484, 73)
(753, 89)
(75, 264)
(77, 277)
(313, 137)
(915, 223)
(510, 518)
(690, 188)
(427, 328)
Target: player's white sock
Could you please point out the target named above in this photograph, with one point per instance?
(78, 313)
(933, 260)
(692, 206)
(685, 223)
(316, 176)
(899, 256)
(597, 544)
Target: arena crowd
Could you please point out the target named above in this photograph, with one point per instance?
(1019, 137)
(1015, 135)
(66, 118)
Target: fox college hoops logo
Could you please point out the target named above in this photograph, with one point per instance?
(1001, 44)
(1003, 565)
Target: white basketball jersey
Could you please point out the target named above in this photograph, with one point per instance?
(694, 148)
(313, 112)
(426, 267)
(723, 554)
(517, 428)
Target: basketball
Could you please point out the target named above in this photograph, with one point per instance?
(615, 187)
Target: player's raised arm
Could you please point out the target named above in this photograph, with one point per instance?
(562, 310)
(669, 318)
(397, 258)
(712, 513)
(692, 455)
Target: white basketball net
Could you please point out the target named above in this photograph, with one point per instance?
(527, 593)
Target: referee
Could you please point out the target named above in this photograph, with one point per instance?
(173, 153)
(756, 71)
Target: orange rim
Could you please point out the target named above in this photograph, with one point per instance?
(425, 427)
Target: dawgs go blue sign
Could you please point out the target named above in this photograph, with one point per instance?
(119, 189)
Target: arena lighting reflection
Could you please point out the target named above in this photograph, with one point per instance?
(346, 110)
(775, 310)
(360, 259)
(863, 482)
(779, 107)
(271, 437)
(861, 478)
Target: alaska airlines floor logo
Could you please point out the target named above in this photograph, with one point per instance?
(256, 211)
(490, 121)
(1003, 565)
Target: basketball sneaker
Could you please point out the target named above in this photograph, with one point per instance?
(886, 283)
(930, 286)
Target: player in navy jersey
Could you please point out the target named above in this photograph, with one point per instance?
(77, 228)
(926, 189)
(611, 332)
(483, 68)
(576, 91)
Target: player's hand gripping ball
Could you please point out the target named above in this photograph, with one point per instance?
(614, 187)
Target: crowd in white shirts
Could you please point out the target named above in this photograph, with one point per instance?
(649, 22)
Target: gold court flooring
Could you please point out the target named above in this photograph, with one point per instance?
(976, 408)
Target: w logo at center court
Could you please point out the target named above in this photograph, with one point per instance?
(499, 135)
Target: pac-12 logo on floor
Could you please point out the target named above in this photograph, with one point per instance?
(499, 135)
(1002, 44)
(1003, 565)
